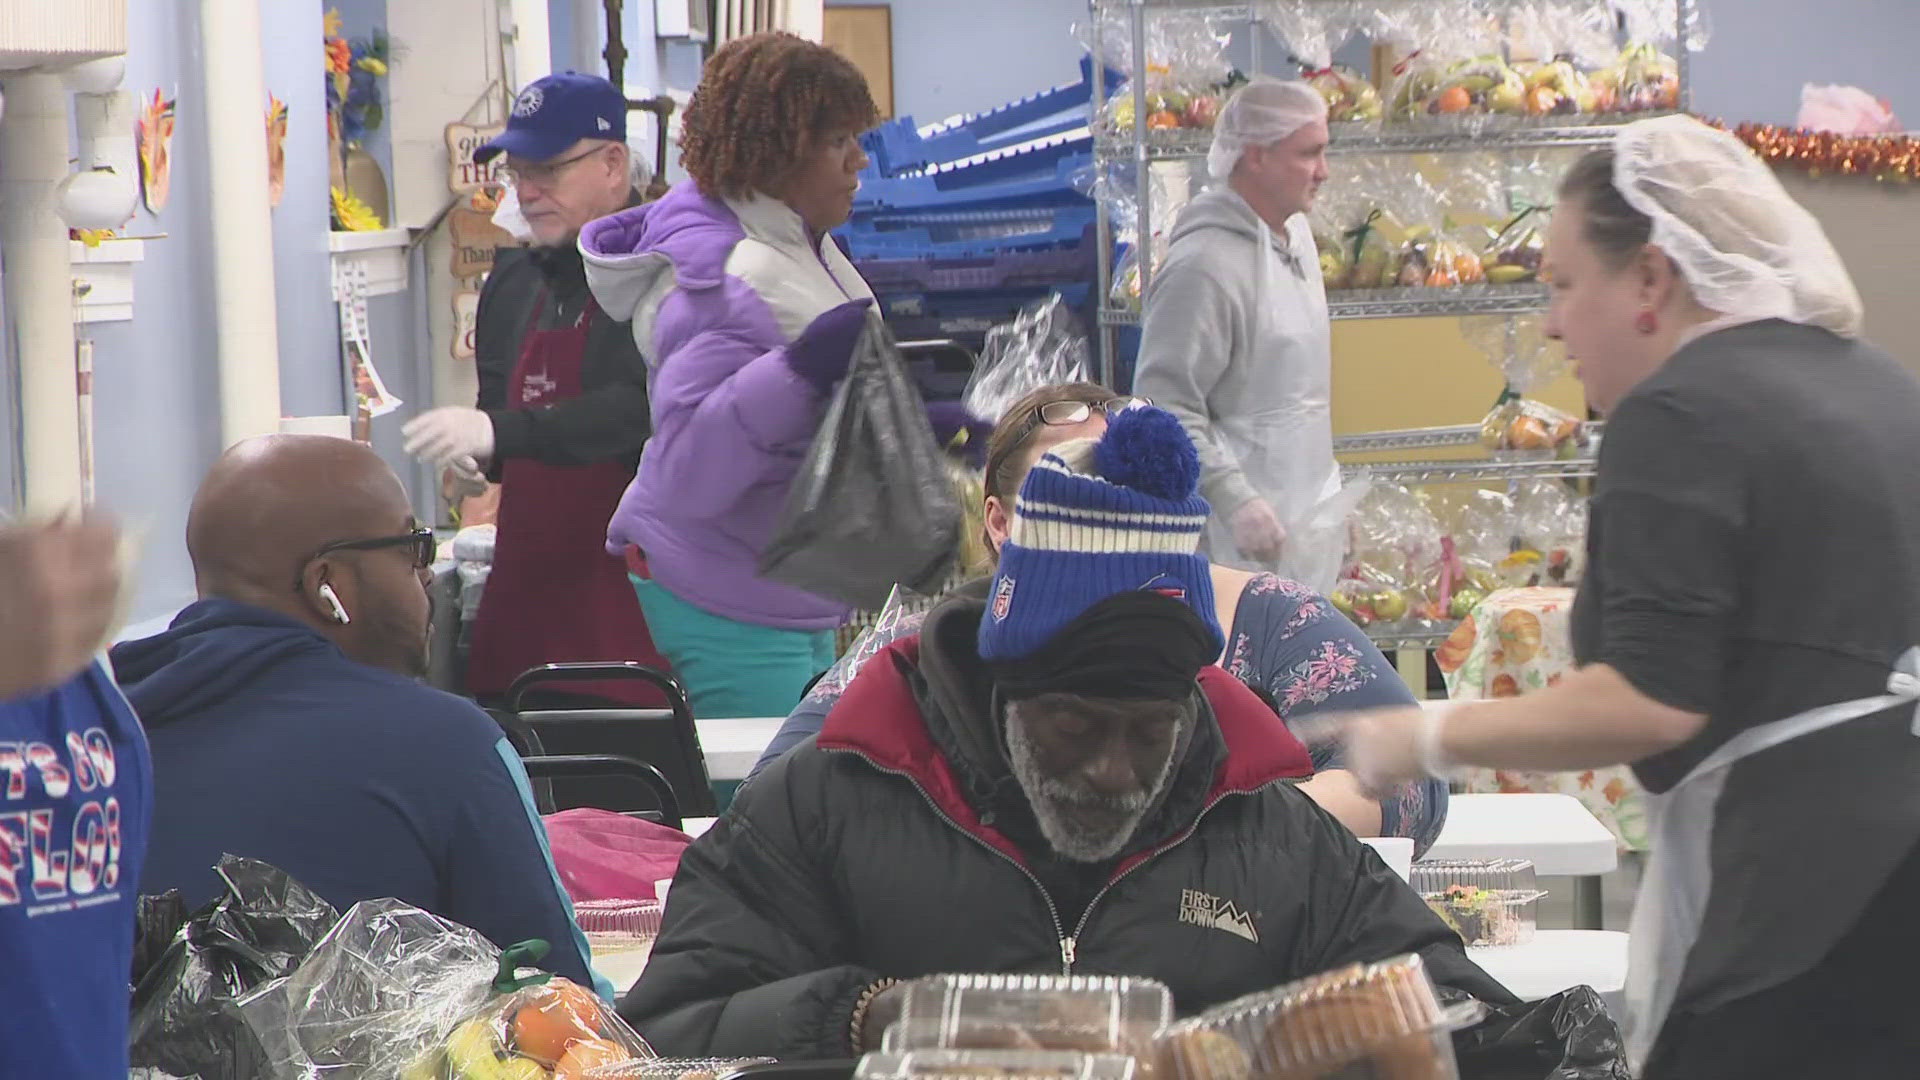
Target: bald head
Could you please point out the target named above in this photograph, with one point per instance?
(270, 502)
(262, 525)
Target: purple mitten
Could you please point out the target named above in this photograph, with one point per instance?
(950, 419)
(823, 350)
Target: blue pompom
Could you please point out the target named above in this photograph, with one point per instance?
(1149, 451)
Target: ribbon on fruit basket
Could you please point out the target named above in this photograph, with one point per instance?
(1400, 68)
(1358, 234)
(1452, 572)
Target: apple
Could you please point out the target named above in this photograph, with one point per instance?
(1390, 605)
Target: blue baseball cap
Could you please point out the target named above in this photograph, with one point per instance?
(553, 113)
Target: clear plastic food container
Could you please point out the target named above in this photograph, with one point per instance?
(1362, 1022)
(640, 917)
(993, 1065)
(1090, 1014)
(1492, 902)
(673, 1068)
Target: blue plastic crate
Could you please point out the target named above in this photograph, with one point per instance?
(898, 147)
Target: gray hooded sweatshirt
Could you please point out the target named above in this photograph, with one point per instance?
(1237, 345)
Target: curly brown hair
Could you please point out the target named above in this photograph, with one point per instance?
(763, 102)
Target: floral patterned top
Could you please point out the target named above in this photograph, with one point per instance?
(1287, 641)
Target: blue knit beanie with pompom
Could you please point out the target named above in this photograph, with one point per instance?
(1096, 518)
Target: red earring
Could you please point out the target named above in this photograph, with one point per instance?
(1646, 322)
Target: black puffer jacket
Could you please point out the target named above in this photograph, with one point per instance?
(897, 844)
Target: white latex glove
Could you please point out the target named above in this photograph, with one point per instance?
(1257, 532)
(451, 431)
(464, 479)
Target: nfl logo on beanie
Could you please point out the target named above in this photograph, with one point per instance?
(1095, 518)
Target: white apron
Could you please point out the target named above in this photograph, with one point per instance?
(1673, 893)
(1284, 445)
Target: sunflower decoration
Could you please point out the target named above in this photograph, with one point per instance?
(352, 214)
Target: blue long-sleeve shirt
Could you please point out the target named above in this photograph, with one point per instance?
(269, 742)
(1286, 639)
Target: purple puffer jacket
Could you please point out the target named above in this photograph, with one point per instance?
(715, 289)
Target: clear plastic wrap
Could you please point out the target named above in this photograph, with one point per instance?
(1640, 79)
(1392, 539)
(1454, 74)
(1373, 1021)
(1187, 76)
(1043, 345)
(1032, 1012)
(1519, 426)
(1357, 224)
(673, 1068)
(1351, 99)
(993, 1065)
(1517, 248)
(621, 934)
(1550, 528)
(396, 993)
(1486, 902)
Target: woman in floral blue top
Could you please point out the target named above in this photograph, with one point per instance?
(1283, 639)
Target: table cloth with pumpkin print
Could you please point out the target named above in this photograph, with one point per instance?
(1515, 642)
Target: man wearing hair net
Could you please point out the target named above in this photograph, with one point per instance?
(1236, 340)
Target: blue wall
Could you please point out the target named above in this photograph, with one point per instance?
(951, 56)
(156, 390)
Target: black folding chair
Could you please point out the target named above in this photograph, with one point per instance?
(655, 802)
(663, 738)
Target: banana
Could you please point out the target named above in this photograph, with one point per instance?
(1507, 274)
(428, 1066)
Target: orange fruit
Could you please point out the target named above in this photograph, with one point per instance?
(557, 1016)
(1454, 99)
(1541, 100)
(1163, 119)
(586, 1055)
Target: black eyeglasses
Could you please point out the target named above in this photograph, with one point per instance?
(543, 172)
(1063, 414)
(424, 547)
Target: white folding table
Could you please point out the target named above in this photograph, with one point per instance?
(1554, 832)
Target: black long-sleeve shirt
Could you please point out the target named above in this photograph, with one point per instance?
(547, 289)
(1755, 553)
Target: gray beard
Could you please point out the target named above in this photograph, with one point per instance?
(1050, 796)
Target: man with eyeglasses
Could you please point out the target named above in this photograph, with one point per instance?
(287, 722)
(562, 410)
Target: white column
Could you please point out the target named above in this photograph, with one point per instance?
(39, 287)
(245, 316)
(532, 42)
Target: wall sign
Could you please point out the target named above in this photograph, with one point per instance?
(466, 314)
(464, 175)
(475, 239)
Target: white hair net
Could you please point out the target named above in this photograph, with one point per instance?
(1261, 113)
(1745, 247)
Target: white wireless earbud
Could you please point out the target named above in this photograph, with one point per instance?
(333, 601)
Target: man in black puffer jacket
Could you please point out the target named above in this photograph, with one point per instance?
(1055, 779)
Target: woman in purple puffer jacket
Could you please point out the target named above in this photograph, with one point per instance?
(747, 314)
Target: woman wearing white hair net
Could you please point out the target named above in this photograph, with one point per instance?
(1748, 622)
(1236, 342)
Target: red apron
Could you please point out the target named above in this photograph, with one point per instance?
(554, 594)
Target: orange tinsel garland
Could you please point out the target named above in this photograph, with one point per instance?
(1818, 153)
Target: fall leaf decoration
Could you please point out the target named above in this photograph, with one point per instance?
(153, 134)
(276, 149)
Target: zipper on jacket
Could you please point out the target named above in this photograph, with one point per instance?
(1067, 944)
(1053, 912)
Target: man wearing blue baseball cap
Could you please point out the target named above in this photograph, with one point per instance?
(562, 410)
